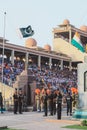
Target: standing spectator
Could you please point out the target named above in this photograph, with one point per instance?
(1, 102)
(15, 97)
(20, 100)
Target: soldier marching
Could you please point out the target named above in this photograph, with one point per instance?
(51, 101)
(18, 101)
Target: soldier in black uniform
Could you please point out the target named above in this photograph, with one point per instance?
(20, 100)
(15, 97)
(54, 102)
(59, 105)
(45, 98)
(51, 97)
(1, 102)
(69, 104)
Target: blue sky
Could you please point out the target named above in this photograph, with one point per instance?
(42, 15)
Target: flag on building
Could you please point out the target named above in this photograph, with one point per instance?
(27, 31)
(77, 42)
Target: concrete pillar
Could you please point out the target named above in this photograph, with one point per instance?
(61, 64)
(50, 63)
(39, 61)
(26, 60)
(12, 57)
(70, 66)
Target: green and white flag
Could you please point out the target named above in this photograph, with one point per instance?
(26, 32)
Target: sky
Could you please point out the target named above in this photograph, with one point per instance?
(42, 15)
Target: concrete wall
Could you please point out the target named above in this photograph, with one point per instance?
(65, 47)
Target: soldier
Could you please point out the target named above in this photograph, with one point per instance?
(48, 101)
(41, 99)
(74, 100)
(20, 100)
(59, 105)
(15, 98)
(1, 102)
(45, 98)
(54, 102)
(69, 103)
(37, 98)
(51, 97)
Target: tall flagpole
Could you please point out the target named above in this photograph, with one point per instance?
(4, 26)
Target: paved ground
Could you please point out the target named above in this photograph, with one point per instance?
(35, 121)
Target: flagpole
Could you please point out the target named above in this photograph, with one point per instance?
(4, 26)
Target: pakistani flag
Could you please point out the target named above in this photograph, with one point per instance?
(77, 42)
(26, 32)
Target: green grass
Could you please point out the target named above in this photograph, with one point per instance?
(76, 127)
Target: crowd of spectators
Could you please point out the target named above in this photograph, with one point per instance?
(55, 77)
(10, 71)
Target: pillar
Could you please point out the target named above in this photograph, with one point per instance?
(12, 57)
(70, 66)
(39, 61)
(26, 60)
(61, 64)
(50, 63)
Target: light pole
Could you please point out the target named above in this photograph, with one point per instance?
(4, 27)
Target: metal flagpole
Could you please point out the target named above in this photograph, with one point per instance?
(3, 53)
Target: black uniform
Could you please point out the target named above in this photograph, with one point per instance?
(69, 104)
(51, 97)
(54, 103)
(59, 105)
(15, 97)
(20, 101)
(45, 98)
(1, 102)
